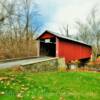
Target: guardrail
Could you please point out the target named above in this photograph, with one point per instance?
(39, 61)
(23, 58)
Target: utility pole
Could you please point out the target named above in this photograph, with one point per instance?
(67, 32)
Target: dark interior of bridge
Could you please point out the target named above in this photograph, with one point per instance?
(48, 47)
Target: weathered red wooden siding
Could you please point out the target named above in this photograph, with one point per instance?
(68, 49)
(46, 36)
(72, 50)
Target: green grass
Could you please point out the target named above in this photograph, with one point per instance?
(50, 86)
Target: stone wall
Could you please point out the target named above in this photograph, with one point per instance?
(47, 65)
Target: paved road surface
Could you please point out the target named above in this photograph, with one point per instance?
(22, 62)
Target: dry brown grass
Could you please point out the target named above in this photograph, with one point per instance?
(17, 49)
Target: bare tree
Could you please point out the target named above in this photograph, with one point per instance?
(64, 29)
(90, 31)
(17, 27)
(83, 33)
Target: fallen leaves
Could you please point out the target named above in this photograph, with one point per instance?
(61, 98)
(19, 95)
(41, 98)
(3, 78)
(24, 88)
(33, 97)
(2, 93)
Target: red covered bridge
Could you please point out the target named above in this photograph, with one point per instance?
(55, 45)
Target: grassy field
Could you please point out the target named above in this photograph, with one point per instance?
(49, 86)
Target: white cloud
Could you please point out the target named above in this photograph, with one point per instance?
(63, 12)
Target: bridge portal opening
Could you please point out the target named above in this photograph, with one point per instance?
(48, 47)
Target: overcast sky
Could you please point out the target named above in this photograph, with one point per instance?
(60, 12)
